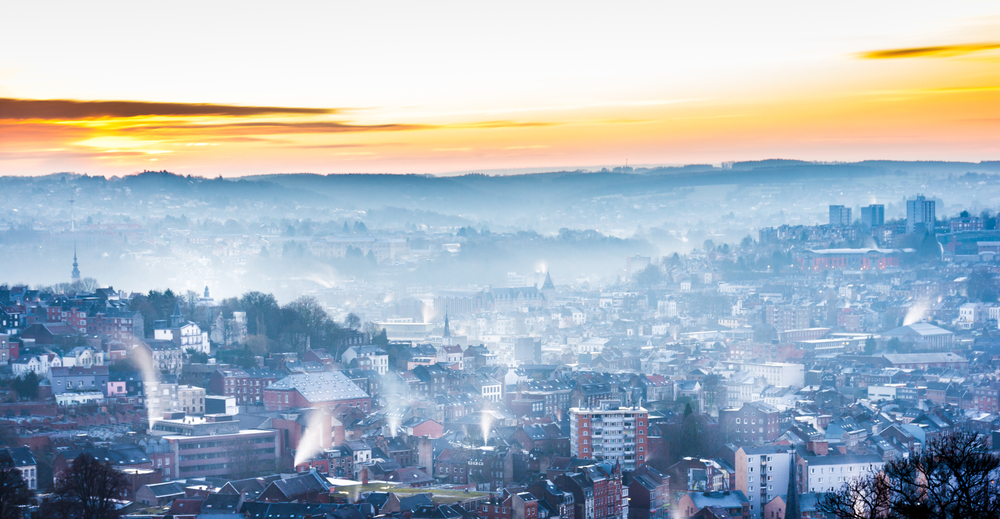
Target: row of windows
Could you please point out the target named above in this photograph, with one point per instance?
(209, 445)
(212, 455)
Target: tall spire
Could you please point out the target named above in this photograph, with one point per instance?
(792, 495)
(548, 285)
(76, 266)
(177, 318)
(447, 329)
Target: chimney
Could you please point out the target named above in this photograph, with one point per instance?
(425, 454)
(819, 448)
(339, 436)
(364, 475)
(326, 423)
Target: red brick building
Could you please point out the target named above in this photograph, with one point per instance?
(611, 432)
(246, 386)
(321, 389)
(507, 505)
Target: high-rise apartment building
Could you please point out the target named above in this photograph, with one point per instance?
(920, 215)
(763, 474)
(873, 215)
(840, 216)
(610, 432)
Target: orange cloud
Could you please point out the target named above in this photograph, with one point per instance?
(939, 51)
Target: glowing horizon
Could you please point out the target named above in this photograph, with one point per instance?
(242, 89)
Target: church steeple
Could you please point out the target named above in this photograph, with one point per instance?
(447, 329)
(548, 285)
(178, 318)
(75, 275)
(792, 494)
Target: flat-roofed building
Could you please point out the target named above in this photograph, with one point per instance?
(610, 432)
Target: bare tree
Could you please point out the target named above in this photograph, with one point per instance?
(14, 492)
(89, 489)
(863, 498)
(955, 477)
(352, 321)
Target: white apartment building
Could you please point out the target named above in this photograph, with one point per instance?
(830, 473)
(762, 474)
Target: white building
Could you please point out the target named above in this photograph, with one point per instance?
(186, 334)
(881, 393)
(666, 309)
(490, 388)
(84, 357)
(969, 315)
(87, 397)
(40, 364)
(778, 373)
(380, 358)
(762, 474)
(190, 399)
(829, 473)
(25, 463)
(592, 346)
(164, 356)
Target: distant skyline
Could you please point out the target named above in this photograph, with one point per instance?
(249, 88)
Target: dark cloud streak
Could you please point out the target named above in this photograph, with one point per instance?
(939, 51)
(265, 127)
(67, 109)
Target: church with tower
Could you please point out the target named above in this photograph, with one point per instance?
(182, 332)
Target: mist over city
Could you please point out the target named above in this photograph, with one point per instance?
(500, 261)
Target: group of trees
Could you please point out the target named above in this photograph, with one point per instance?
(295, 326)
(955, 477)
(301, 324)
(156, 306)
(26, 385)
(981, 286)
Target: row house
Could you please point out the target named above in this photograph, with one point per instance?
(648, 491)
(509, 505)
(246, 386)
(554, 395)
(119, 325)
(558, 503)
(41, 365)
(597, 490)
(164, 356)
(78, 378)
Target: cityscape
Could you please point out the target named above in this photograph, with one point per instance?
(500, 261)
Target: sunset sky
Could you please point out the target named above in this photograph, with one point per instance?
(240, 88)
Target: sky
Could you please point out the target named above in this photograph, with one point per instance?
(246, 88)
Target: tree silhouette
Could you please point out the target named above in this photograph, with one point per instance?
(89, 490)
(953, 478)
(14, 492)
